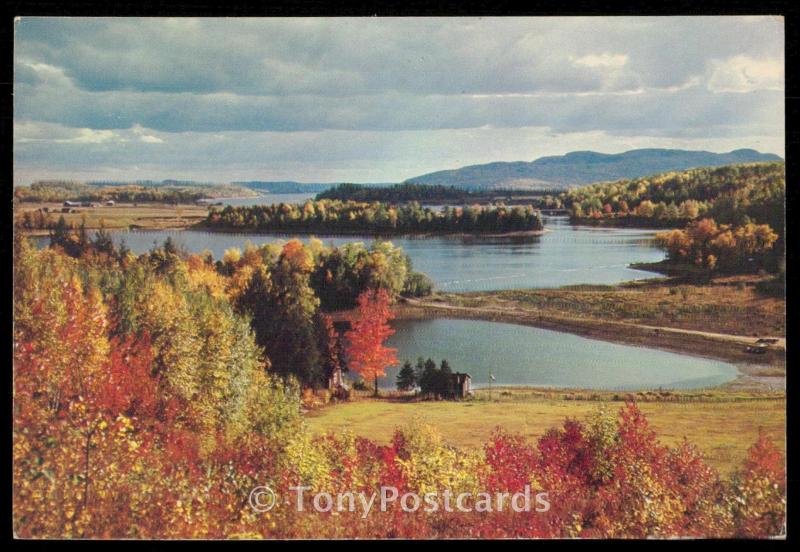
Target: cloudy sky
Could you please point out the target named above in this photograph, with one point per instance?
(381, 100)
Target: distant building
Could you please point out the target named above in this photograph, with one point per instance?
(337, 385)
(461, 385)
(72, 204)
(109, 203)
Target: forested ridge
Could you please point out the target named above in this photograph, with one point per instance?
(732, 194)
(577, 168)
(424, 193)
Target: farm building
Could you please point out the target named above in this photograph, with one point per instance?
(461, 385)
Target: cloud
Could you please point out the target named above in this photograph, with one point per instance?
(181, 112)
(745, 74)
(149, 139)
(31, 132)
(141, 132)
(321, 95)
(601, 60)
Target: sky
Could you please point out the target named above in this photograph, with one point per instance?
(381, 99)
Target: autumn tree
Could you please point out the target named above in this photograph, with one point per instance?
(283, 310)
(367, 354)
(706, 243)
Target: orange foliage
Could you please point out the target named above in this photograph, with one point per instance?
(366, 352)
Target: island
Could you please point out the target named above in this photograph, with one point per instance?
(353, 217)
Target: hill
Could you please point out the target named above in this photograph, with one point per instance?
(585, 167)
(732, 194)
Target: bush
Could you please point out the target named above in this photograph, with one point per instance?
(417, 285)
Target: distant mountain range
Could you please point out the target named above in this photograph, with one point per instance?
(584, 167)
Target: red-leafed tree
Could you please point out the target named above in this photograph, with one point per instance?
(366, 352)
(130, 387)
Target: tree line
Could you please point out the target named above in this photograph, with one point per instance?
(704, 243)
(57, 191)
(424, 193)
(731, 194)
(378, 218)
(431, 380)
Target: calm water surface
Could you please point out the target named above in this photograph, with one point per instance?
(564, 255)
(264, 199)
(521, 355)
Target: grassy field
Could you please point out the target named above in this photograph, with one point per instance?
(122, 215)
(726, 305)
(722, 429)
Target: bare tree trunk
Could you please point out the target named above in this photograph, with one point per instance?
(376, 385)
(86, 469)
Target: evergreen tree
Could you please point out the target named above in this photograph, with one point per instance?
(102, 241)
(444, 378)
(407, 378)
(428, 380)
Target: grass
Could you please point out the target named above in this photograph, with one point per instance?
(723, 430)
(144, 215)
(726, 305)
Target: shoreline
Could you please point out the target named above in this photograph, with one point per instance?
(647, 223)
(291, 232)
(190, 226)
(768, 374)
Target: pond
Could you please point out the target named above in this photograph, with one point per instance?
(564, 255)
(522, 355)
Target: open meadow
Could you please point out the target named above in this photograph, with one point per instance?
(121, 216)
(723, 425)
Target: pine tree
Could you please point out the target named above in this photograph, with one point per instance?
(429, 379)
(407, 378)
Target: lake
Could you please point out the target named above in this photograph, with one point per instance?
(264, 199)
(522, 355)
(564, 255)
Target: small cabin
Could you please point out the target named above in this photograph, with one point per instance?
(337, 385)
(461, 385)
